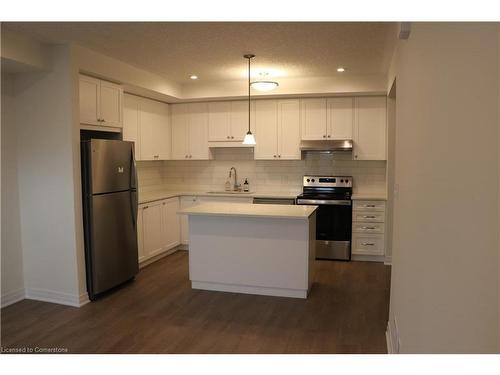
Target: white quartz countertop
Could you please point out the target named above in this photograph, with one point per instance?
(369, 196)
(250, 210)
(151, 196)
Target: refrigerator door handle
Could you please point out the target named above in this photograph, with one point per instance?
(134, 198)
(133, 207)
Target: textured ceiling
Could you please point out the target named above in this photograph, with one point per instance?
(214, 51)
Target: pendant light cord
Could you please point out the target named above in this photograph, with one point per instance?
(249, 93)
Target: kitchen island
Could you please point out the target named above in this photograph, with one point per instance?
(254, 249)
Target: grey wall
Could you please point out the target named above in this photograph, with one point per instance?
(445, 284)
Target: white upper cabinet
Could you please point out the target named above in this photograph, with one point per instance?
(219, 117)
(190, 131)
(289, 129)
(277, 129)
(101, 102)
(370, 125)
(198, 131)
(131, 108)
(340, 118)
(111, 104)
(314, 124)
(266, 129)
(89, 100)
(154, 130)
(227, 121)
(147, 124)
(179, 117)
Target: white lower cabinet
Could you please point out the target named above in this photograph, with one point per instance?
(158, 227)
(368, 228)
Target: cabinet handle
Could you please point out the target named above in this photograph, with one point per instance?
(232, 137)
(145, 207)
(163, 203)
(368, 244)
(369, 217)
(369, 205)
(228, 137)
(368, 228)
(356, 156)
(274, 155)
(279, 156)
(185, 156)
(103, 120)
(324, 136)
(329, 135)
(190, 156)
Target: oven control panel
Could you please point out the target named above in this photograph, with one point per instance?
(327, 181)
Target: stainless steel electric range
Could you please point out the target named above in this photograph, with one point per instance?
(334, 215)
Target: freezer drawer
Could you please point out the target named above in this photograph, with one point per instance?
(113, 252)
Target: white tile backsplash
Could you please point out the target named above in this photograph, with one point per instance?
(263, 175)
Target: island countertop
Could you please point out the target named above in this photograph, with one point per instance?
(276, 211)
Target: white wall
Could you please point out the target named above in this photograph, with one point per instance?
(264, 176)
(45, 117)
(445, 245)
(11, 259)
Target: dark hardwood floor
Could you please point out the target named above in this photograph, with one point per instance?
(346, 312)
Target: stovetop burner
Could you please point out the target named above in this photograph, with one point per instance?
(326, 187)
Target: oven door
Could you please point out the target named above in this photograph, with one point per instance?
(333, 228)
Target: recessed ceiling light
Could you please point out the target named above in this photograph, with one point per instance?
(194, 77)
(340, 70)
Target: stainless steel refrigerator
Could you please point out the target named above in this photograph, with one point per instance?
(110, 213)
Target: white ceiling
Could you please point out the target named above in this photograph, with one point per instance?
(214, 51)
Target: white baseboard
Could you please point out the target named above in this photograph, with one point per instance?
(57, 297)
(12, 297)
(148, 261)
(247, 289)
(388, 261)
(388, 339)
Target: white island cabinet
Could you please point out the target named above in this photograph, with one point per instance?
(254, 249)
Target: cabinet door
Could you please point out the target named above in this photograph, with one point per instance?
(340, 118)
(186, 202)
(171, 223)
(289, 129)
(266, 130)
(131, 108)
(163, 133)
(147, 130)
(111, 96)
(369, 138)
(313, 113)
(89, 100)
(218, 121)
(179, 123)
(198, 131)
(153, 238)
(239, 120)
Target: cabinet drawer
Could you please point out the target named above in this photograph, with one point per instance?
(360, 227)
(368, 216)
(369, 205)
(365, 244)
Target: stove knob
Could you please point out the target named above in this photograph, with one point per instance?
(308, 180)
(312, 180)
(341, 181)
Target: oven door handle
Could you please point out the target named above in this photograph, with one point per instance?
(324, 202)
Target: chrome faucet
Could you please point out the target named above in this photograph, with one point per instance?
(235, 179)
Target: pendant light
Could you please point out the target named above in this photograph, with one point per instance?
(263, 84)
(249, 138)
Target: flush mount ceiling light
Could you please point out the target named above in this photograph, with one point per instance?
(194, 76)
(249, 138)
(263, 84)
(340, 70)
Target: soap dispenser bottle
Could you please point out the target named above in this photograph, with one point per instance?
(246, 186)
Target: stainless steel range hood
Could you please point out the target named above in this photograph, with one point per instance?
(326, 146)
